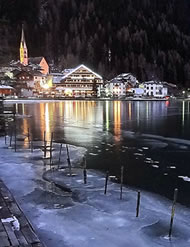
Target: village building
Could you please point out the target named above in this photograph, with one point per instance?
(28, 83)
(154, 89)
(39, 63)
(78, 82)
(115, 89)
(34, 63)
(120, 85)
(6, 90)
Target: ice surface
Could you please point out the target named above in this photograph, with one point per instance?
(86, 217)
(185, 178)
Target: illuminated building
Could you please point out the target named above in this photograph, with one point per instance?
(78, 82)
(155, 89)
(28, 83)
(118, 86)
(23, 50)
(34, 63)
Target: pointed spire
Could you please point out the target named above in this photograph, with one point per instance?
(23, 49)
(22, 35)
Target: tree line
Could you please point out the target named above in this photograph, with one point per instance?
(149, 38)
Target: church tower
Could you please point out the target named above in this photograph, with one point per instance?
(23, 50)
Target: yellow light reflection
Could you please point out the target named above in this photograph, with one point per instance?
(130, 111)
(117, 120)
(23, 109)
(47, 122)
(25, 130)
(107, 115)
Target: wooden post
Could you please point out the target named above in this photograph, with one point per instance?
(106, 182)
(31, 146)
(51, 144)
(121, 184)
(5, 137)
(138, 203)
(60, 155)
(44, 144)
(85, 171)
(68, 160)
(15, 138)
(11, 137)
(28, 138)
(173, 212)
(85, 175)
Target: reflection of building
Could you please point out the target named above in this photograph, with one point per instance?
(78, 82)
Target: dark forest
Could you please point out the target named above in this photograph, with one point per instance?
(149, 38)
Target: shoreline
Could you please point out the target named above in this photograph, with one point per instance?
(78, 99)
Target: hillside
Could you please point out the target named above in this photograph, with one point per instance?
(149, 38)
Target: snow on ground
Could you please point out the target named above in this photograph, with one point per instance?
(86, 217)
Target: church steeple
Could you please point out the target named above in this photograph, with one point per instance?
(23, 49)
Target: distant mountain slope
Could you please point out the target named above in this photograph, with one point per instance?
(150, 38)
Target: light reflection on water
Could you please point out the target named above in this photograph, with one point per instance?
(102, 127)
(161, 118)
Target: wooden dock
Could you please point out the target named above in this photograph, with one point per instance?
(21, 235)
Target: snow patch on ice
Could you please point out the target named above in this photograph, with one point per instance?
(155, 166)
(185, 178)
(93, 154)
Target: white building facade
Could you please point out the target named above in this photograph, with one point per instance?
(115, 89)
(154, 89)
(78, 82)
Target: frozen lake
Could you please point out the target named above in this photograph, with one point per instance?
(150, 139)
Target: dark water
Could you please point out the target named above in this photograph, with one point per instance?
(137, 135)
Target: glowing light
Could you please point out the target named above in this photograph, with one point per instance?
(45, 86)
(107, 115)
(68, 92)
(167, 103)
(47, 122)
(130, 111)
(117, 120)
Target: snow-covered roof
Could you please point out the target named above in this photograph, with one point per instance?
(5, 87)
(57, 77)
(126, 78)
(78, 67)
(59, 88)
(160, 83)
(35, 60)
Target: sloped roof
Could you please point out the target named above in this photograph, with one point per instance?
(36, 73)
(78, 67)
(5, 87)
(126, 78)
(35, 60)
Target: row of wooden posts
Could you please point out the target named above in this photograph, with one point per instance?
(49, 148)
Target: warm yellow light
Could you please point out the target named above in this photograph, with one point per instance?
(45, 86)
(68, 92)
